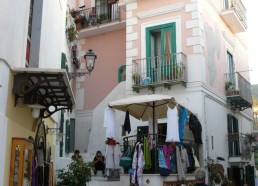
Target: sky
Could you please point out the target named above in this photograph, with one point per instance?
(252, 38)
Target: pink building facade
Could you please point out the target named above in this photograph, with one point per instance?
(194, 50)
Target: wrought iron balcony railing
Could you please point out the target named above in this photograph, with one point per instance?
(240, 146)
(158, 70)
(238, 91)
(90, 17)
(239, 9)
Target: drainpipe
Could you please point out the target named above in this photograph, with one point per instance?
(206, 154)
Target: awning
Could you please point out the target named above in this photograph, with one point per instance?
(49, 88)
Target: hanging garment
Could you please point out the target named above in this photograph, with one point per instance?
(180, 170)
(138, 164)
(117, 156)
(151, 142)
(172, 125)
(110, 122)
(173, 162)
(196, 128)
(191, 160)
(167, 150)
(109, 157)
(163, 169)
(184, 159)
(146, 153)
(127, 124)
(183, 117)
(196, 162)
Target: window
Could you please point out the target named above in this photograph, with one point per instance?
(69, 136)
(122, 73)
(160, 47)
(230, 68)
(233, 133)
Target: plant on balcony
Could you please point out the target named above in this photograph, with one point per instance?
(229, 86)
(136, 78)
(73, 13)
(176, 71)
(251, 137)
(78, 173)
(102, 18)
(71, 33)
(215, 176)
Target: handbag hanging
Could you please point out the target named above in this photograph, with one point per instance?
(126, 160)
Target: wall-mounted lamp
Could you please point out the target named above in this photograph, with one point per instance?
(35, 109)
(90, 59)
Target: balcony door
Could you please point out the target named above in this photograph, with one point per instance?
(230, 68)
(233, 132)
(160, 47)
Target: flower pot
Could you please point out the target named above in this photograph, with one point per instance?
(78, 22)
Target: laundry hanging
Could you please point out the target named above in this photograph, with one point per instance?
(183, 117)
(196, 128)
(172, 125)
(127, 124)
(110, 122)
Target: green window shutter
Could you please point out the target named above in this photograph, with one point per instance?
(63, 61)
(72, 134)
(122, 73)
(67, 136)
(61, 130)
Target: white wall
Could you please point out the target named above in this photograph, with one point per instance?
(52, 34)
(14, 16)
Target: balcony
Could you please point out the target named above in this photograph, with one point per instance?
(152, 72)
(240, 148)
(238, 92)
(234, 15)
(99, 19)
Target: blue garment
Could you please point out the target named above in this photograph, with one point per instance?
(183, 117)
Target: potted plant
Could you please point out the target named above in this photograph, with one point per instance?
(73, 13)
(136, 78)
(176, 71)
(229, 86)
(71, 33)
(78, 173)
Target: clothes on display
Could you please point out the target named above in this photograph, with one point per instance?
(138, 164)
(127, 124)
(196, 128)
(180, 169)
(112, 155)
(172, 125)
(167, 150)
(146, 153)
(183, 117)
(110, 122)
(151, 142)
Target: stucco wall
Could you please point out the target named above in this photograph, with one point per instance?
(110, 51)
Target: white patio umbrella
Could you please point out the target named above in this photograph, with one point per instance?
(144, 106)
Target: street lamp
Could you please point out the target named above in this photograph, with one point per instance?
(90, 59)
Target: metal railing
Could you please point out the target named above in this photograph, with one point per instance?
(104, 13)
(239, 86)
(239, 9)
(157, 69)
(239, 146)
(154, 141)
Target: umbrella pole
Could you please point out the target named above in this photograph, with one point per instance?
(154, 136)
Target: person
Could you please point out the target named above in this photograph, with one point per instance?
(76, 156)
(99, 162)
(200, 177)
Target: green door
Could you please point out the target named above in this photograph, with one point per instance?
(160, 47)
